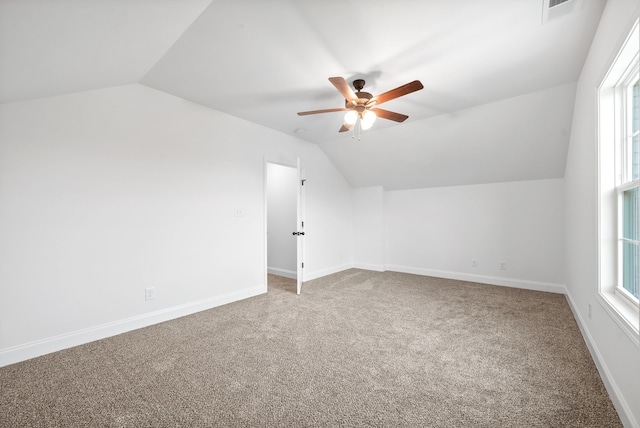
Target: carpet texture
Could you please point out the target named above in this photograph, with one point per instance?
(357, 348)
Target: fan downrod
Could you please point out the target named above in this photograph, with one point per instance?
(358, 84)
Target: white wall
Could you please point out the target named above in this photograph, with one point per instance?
(328, 240)
(282, 189)
(616, 355)
(107, 192)
(440, 231)
(369, 245)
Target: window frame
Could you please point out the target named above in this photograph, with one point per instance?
(616, 301)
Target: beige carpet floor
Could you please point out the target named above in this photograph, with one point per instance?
(357, 348)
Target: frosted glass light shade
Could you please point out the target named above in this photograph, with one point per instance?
(350, 117)
(368, 117)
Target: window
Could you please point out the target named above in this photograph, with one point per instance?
(627, 189)
(619, 188)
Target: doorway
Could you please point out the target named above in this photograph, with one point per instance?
(282, 216)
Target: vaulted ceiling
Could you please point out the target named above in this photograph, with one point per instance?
(499, 79)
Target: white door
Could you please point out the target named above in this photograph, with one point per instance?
(300, 228)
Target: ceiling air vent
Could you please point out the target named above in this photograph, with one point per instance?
(556, 9)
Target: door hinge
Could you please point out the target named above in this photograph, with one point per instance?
(303, 264)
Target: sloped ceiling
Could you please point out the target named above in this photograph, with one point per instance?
(499, 83)
(52, 47)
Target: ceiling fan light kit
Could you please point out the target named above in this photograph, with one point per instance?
(359, 105)
(367, 117)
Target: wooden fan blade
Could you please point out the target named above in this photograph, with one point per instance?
(399, 91)
(391, 115)
(343, 128)
(327, 110)
(344, 88)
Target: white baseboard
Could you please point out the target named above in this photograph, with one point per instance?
(282, 272)
(79, 337)
(483, 279)
(369, 266)
(320, 273)
(622, 407)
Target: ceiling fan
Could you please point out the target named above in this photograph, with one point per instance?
(362, 105)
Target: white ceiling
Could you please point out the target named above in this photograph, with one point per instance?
(498, 84)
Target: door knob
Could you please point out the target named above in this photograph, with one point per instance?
(298, 233)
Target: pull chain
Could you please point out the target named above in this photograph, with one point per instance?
(355, 125)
